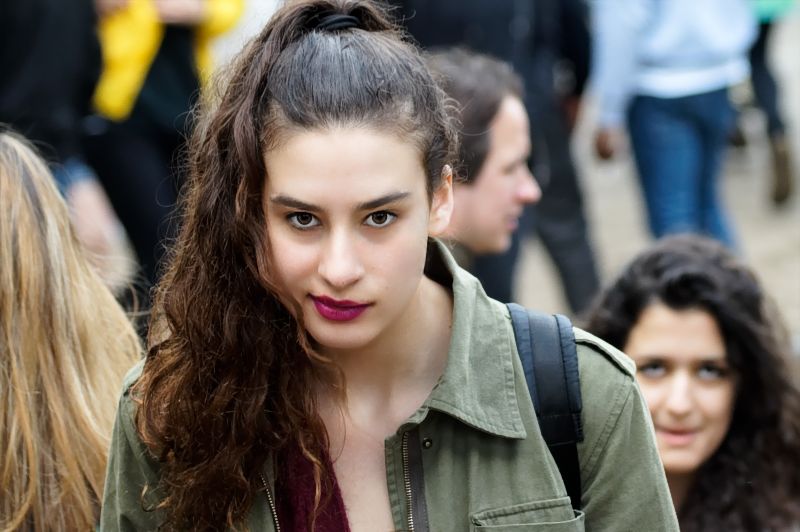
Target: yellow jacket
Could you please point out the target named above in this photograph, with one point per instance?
(130, 39)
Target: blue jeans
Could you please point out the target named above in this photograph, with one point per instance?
(678, 144)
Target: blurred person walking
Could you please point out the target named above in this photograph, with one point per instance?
(493, 182)
(49, 65)
(65, 345)
(666, 67)
(547, 42)
(767, 97)
(156, 56)
(715, 367)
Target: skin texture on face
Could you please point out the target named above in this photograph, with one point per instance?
(686, 381)
(487, 210)
(348, 218)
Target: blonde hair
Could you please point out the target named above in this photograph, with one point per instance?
(65, 345)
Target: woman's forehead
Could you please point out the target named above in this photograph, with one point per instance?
(353, 162)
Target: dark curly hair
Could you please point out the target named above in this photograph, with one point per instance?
(751, 482)
(229, 378)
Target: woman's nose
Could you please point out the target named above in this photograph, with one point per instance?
(679, 399)
(340, 265)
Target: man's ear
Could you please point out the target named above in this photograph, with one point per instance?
(442, 204)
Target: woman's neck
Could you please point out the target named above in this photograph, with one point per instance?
(398, 371)
(679, 486)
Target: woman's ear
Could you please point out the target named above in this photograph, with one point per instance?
(442, 204)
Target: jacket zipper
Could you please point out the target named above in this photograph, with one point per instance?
(271, 503)
(407, 483)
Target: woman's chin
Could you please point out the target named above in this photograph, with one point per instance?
(339, 340)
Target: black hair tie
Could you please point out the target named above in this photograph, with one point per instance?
(336, 21)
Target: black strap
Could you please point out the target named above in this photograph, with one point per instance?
(336, 21)
(546, 345)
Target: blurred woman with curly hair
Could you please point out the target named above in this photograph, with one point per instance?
(65, 345)
(713, 364)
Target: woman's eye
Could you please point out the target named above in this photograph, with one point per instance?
(380, 219)
(652, 370)
(303, 220)
(711, 372)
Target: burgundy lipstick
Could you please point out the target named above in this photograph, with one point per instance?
(338, 309)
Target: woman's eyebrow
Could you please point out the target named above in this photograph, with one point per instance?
(383, 200)
(288, 201)
(293, 203)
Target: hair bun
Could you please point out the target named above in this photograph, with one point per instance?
(330, 21)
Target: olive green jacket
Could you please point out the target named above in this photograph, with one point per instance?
(472, 457)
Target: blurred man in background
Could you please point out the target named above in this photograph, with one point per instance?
(493, 183)
(547, 42)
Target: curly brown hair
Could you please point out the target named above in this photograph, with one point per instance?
(751, 481)
(230, 375)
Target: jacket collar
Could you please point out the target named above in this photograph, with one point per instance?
(478, 385)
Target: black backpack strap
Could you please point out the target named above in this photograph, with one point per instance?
(546, 345)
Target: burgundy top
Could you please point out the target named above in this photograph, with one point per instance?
(295, 497)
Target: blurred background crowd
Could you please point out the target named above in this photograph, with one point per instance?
(105, 89)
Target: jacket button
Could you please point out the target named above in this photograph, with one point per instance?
(427, 443)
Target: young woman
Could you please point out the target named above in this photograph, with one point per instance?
(65, 345)
(317, 362)
(712, 365)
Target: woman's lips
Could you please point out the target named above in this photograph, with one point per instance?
(676, 437)
(338, 310)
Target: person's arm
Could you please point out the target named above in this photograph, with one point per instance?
(616, 28)
(211, 17)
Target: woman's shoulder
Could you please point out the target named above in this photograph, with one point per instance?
(126, 410)
(131, 377)
(600, 356)
(126, 432)
(132, 470)
(608, 385)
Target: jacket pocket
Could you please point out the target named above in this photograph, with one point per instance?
(552, 514)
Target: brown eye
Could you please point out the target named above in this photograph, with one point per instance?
(303, 220)
(380, 219)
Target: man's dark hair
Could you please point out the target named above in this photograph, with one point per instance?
(478, 83)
